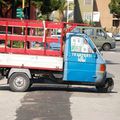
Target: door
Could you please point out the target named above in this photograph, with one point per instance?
(100, 38)
(80, 60)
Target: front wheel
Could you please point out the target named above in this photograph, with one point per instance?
(19, 82)
(107, 87)
(106, 47)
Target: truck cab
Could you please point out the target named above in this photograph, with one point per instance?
(82, 60)
(83, 63)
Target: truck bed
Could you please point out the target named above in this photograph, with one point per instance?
(31, 61)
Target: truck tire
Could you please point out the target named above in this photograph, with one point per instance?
(19, 82)
(107, 87)
(106, 47)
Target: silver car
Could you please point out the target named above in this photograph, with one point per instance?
(117, 36)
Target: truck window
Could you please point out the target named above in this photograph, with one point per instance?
(80, 44)
(99, 32)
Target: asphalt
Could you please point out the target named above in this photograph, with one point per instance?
(45, 103)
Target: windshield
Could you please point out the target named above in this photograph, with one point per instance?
(91, 43)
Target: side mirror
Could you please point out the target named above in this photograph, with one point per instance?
(94, 50)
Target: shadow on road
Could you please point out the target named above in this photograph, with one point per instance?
(43, 103)
(52, 87)
(85, 89)
(52, 102)
(4, 87)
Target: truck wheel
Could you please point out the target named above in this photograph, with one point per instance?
(106, 47)
(19, 82)
(107, 87)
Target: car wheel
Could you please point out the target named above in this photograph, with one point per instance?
(107, 87)
(19, 82)
(106, 47)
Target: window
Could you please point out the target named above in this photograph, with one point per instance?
(88, 2)
(116, 23)
(100, 33)
(80, 44)
(88, 31)
(87, 16)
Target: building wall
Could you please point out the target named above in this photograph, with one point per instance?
(86, 9)
(105, 17)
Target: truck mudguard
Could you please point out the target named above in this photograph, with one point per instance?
(20, 70)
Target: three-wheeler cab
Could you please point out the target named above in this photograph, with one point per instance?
(84, 64)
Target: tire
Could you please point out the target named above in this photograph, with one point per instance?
(106, 47)
(107, 87)
(19, 82)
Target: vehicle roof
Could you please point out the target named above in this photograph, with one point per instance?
(76, 33)
(89, 27)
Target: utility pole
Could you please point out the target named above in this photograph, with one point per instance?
(29, 9)
(13, 9)
(23, 4)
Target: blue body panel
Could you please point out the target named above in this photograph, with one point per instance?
(81, 66)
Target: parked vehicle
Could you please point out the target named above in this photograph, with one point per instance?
(78, 61)
(117, 37)
(101, 39)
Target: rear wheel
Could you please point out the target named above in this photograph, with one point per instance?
(107, 87)
(19, 82)
(106, 47)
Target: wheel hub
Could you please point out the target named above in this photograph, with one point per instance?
(19, 82)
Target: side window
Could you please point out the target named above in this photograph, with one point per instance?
(99, 32)
(88, 31)
(80, 44)
(76, 30)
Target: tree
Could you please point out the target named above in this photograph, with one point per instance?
(37, 4)
(62, 7)
(114, 6)
(6, 8)
(3, 6)
(51, 5)
(59, 7)
(44, 7)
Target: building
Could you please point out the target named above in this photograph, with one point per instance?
(106, 18)
(83, 10)
(96, 11)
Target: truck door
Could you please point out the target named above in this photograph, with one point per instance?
(80, 60)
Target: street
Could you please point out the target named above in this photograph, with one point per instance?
(50, 102)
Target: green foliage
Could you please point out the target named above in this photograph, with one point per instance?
(115, 8)
(51, 5)
(46, 7)
(18, 44)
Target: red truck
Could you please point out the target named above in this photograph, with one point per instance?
(32, 49)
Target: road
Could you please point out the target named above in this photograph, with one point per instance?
(45, 102)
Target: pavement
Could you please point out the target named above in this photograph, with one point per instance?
(9, 102)
(49, 102)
